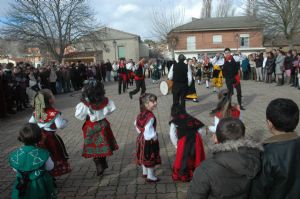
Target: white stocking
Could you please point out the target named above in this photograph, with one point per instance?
(207, 84)
(151, 175)
(144, 170)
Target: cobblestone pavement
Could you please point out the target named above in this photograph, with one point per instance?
(123, 178)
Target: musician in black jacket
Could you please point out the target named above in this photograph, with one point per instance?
(180, 82)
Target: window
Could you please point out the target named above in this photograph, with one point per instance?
(191, 43)
(121, 51)
(244, 40)
(217, 39)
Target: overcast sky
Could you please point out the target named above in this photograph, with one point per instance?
(134, 16)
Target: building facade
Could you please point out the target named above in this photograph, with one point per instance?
(211, 35)
(116, 44)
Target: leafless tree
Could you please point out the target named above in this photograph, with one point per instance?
(54, 24)
(251, 8)
(225, 9)
(206, 9)
(164, 19)
(280, 17)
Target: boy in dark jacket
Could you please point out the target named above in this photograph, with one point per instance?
(280, 174)
(235, 162)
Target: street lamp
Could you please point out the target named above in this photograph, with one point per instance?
(115, 47)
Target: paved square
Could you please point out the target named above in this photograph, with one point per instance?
(123, 178)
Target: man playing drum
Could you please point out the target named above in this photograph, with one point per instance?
(180, 82)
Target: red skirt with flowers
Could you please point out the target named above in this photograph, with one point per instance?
(147, 152)
(195, 158)
(56, 147)
(99, 140)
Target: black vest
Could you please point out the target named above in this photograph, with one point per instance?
(139, 71)
(180, 73)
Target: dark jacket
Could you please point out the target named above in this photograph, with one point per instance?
(270, 65)
(280, 174)
(288, 63)
(230, 69)
(228, 173)
(180, 70)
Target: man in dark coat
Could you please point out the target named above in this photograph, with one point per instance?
(231, 74)
(181, 75)
(235, 161)
(280, 174)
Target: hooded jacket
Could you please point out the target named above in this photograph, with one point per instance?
(228, 173)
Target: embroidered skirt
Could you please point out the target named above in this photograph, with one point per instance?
(195, 157)
(99, 140)
(147, 152)
(56, 147)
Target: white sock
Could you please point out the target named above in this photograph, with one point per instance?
(150, 174)
(214, 88)
(144, 170)
(207, 84)
(198, 81)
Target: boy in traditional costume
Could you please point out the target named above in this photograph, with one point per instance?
(49, 120)
(32, 164)
(147, 141)
(185, 135)
(99, 141)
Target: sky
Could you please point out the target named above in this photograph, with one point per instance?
(134, 16)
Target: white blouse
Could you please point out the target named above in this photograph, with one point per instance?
(95, 115)
(60, 123)
(149, 132)
(213, 128)
(173, 134)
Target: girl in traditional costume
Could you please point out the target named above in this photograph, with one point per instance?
(32, 164)
(155, 72)
(147, 141)
(49, 120)
(185, 134)
(99, 141)
(217, 77)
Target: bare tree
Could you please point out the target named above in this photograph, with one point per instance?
(280, 17)
(164, 19)
(225, 9)
(251, 8)
(53, 24)
(206, 9)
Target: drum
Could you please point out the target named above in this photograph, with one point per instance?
(166, 87)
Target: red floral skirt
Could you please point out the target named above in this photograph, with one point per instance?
(56, 147)
(147, 152)
(99, 140)
(194, 159)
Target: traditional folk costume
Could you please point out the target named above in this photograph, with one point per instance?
(235, 113)
(217, 76)
(155, 74)
(130, 74)
(147, 145)
(198, 74)
(122, 76)
(33, 180)
(185, 135)
(191, 93)
(99, 141)
(206, 71)
(49, 123)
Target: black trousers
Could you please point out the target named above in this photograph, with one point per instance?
(179, 91)
(229, 84)
(122, 81)
(140, 85)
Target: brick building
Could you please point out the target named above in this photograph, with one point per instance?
(211, 35)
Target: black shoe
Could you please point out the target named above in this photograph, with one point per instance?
(130, 96)
(242, 108)
(99, 167)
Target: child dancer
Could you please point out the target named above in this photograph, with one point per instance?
(99, 141)
(185, 135)
(49, 120)
(147, 140)
(224, 109)
(32, 165)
